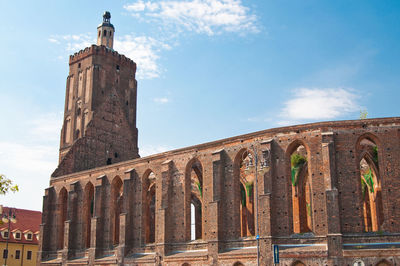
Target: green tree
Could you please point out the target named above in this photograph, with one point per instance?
(363, 114)
(6, 185)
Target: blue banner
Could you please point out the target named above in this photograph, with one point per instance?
(276, 254)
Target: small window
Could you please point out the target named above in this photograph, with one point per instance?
(5, 234)
(105, 33)
(29, 255)
(5, 254)
(117, 67)
(116, 154)
(109, 161)
(99, 33)
(29, 236)
(79, 66)
(17, 254)
(18, 235)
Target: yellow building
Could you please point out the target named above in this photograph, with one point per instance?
(21, 234)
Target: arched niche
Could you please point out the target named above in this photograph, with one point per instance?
(116, 208)
(88, 213)
(62, 207)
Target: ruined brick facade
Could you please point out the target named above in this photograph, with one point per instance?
(337, 204)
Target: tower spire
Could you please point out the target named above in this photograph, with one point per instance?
(105, 32)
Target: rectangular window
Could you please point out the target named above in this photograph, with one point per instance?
(29, 236)
(18, 235)
(5, 254)
(17, 254)
(29, 255)
(6, 234)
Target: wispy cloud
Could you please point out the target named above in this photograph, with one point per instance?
(145, 51)
(201, 16)
(147, 150)
(319, 104)
(161, 100)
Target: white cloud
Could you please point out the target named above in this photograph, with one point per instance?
(73, 43)
(145, 51)
(147, 150)
(201, 16)
(319, 103)
(161, 100)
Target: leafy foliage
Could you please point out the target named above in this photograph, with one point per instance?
(249, 188)
(297, 161)
(363, 114)
(375, 154)
(200, 188)
(6, 185)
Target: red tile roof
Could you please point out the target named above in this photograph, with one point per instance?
(27, 220)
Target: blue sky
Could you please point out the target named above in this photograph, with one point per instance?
(207, 69)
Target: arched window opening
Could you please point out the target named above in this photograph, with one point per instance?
(301, 190)
(62, 216)
(192, 222)
(370, 185)
(195, 218)
(88, 212)
(194, 200)
(116, 201)
(149, 206)
(298, 263)
(77, 134)
(384, 263)
(247, 179)
(238, 263)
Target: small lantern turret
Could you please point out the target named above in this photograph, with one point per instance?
(105, 32)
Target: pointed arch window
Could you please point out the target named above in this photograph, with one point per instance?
(370, 184)
(301, 187)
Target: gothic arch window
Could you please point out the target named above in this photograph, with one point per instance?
(298, 263)
(62, 204)
(300, 186)
(194, 200)
(370, 183)
(67, 130)
(116, 208)
(85, 120)
(149, 206)
(245, 177)
(238, 263)
(70, 92)
(88, 213)
(384, 263)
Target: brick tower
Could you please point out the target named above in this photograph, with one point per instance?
(99, 125)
